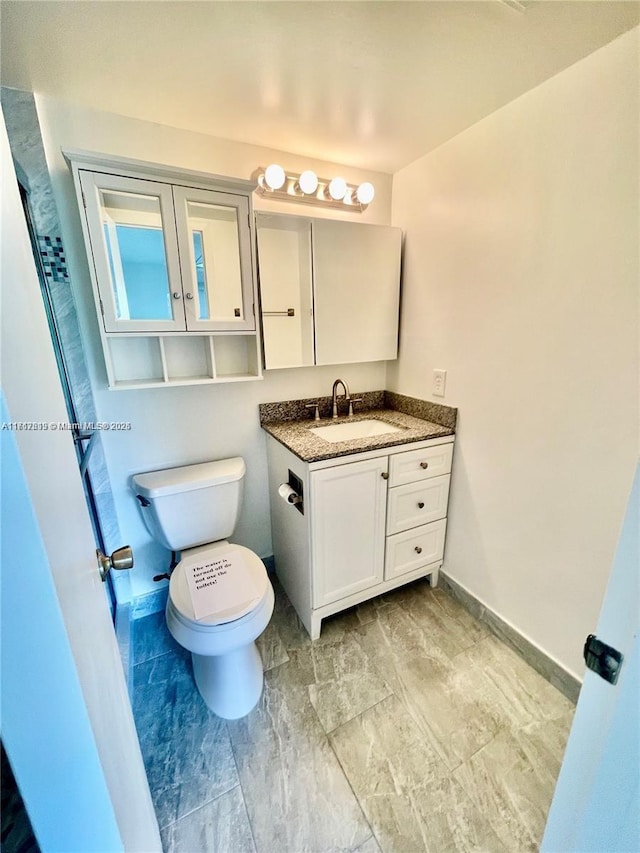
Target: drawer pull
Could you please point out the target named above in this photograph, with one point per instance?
(418, 549)
(420, 504)
(384, 475)
(424, 464)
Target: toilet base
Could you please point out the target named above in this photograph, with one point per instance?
(230, 684)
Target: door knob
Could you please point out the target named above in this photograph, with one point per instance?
(121, 559)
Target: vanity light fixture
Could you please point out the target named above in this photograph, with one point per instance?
(273, 182)
(337, 189)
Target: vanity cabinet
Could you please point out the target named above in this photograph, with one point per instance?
(329, 290)
(347, 528)
(370, 522)
(172, 266)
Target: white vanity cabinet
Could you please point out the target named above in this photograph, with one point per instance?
(370, 522)
(171, 260)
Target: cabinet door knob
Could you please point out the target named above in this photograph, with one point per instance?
(384, 475)
(176, 295)
(189, 295)
(418, 549)
(424, 464)
(420, 504)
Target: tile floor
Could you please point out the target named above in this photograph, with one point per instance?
(406, 727)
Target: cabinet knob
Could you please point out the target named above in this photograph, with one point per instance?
(176, 295)
(418, 549)
(424, 464)
(189, 295)
(420, 504)
(384, 475)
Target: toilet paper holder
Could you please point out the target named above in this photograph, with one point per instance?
(292, 492)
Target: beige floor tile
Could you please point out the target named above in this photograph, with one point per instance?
(512, 779)
(296, 794)
(407, 793)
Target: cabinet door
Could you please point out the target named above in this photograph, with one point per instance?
(135, 253)
(347, 529)
(286, 298)
(215, 259)
(356, 269)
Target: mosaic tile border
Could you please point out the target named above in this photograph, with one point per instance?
(53, 258)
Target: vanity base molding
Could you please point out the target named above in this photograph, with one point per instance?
(312, 619)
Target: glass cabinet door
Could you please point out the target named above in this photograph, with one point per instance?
(134, 246)
(215, 259)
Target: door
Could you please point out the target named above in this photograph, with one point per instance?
(347, 528)
(67, 724)
(595, 805)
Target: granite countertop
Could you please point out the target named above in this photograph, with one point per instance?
(285, 422)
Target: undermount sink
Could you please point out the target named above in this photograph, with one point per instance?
(354, 429)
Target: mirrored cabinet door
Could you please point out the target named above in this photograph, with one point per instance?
(133, 241)
(215, 259)
(356, 281)
(286, 289)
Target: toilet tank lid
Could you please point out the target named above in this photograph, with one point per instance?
(172, 481)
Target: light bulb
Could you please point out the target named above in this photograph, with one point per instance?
(274, 176)
(337, 189)
(365, 193)
(308, 182)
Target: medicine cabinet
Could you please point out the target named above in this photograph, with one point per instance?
(172, 266)
(329, 290)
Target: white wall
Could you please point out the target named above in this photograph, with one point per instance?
(521, 280)
(175, 426)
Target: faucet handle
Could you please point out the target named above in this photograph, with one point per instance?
(353, 400)
(316, 415)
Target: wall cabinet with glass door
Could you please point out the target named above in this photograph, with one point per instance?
(171, 257)
(329, 290)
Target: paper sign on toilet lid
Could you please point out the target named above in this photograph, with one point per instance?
(221, 583)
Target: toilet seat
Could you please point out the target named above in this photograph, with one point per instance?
(180, 596)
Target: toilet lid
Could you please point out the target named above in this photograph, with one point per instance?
(235, 595)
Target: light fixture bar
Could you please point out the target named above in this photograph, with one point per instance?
(307, 187)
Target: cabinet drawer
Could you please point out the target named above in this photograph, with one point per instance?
(417, 503)
(407, 551)
(420, 464)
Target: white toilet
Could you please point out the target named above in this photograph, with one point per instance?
(193, 509)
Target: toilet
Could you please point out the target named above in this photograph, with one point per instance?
(193, 509)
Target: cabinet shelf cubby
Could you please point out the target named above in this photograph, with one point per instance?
(153, 361)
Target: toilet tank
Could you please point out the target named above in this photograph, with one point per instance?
(192, 505)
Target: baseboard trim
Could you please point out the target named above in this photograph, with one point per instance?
(152, 602)
(548, 668)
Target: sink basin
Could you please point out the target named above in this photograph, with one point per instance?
(354, 429)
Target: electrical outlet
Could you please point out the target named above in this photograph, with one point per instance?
(439, 382)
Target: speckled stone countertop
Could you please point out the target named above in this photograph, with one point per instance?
(290, 423)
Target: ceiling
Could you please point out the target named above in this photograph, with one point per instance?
(368, 84)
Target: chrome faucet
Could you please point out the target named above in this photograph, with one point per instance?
(334, 395)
